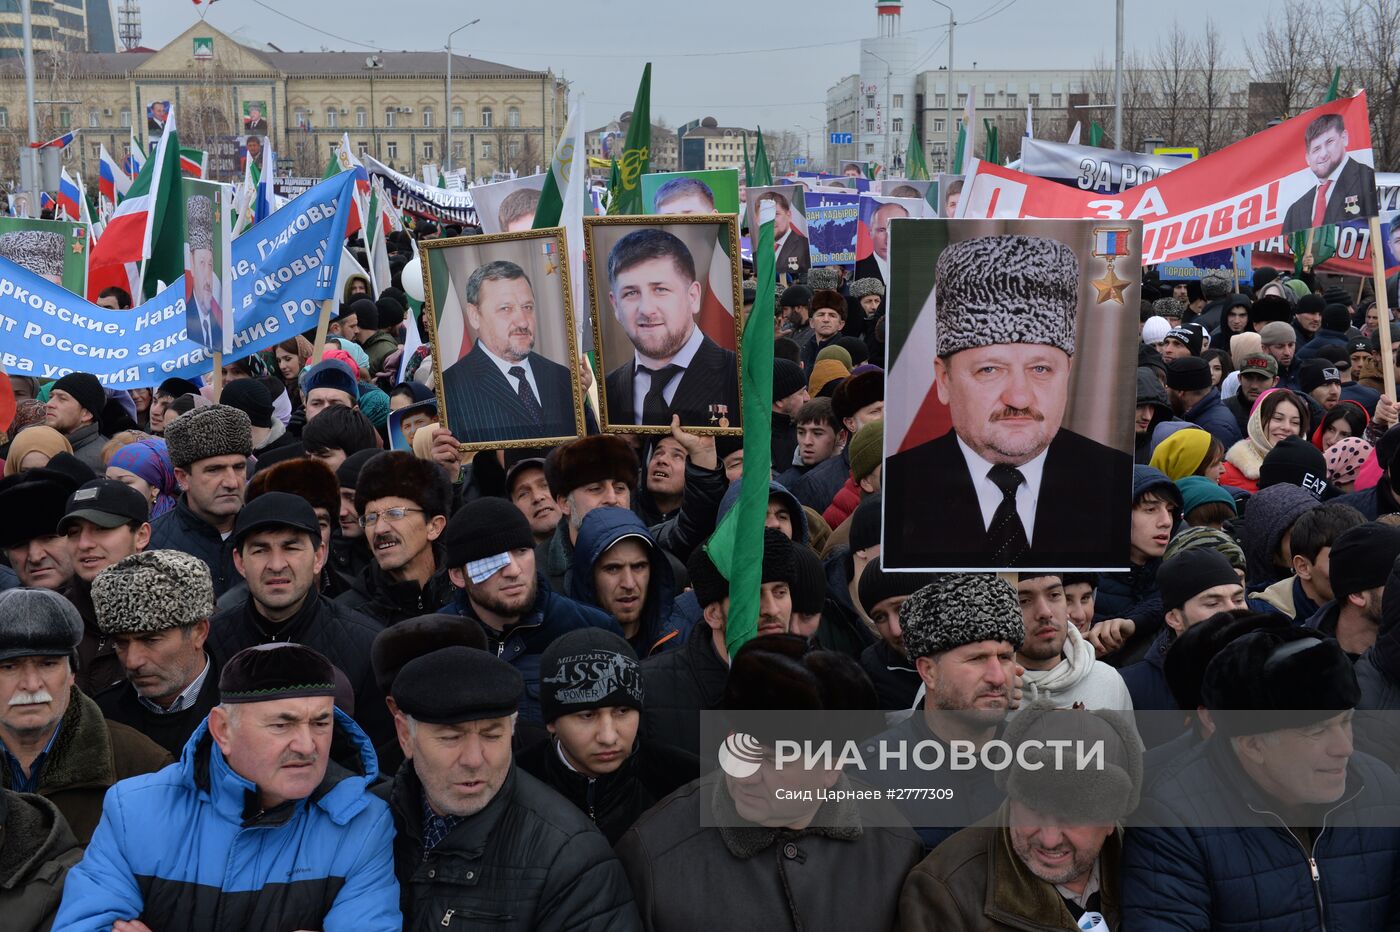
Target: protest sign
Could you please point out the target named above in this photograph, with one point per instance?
(873, 231)
(1198, 267)
(831, 228)
(414, 197)
(1089, 168)
(282, 269)
(1262, 186)
(699, 192)
(1041, 380)
(208, 210)
(55, 249)
(950, 189)
(507, 206)
(790, 227)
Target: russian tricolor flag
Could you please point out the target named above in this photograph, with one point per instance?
(46, 201)
(69, 198)
(60, 143)
(1111, 242)
(112, 183)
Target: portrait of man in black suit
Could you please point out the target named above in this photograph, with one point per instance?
(1008, 486)
(254, 123)
(877, 264)
(157, 111)
(1343, 189)
(675, 368)
(794, 253)
(502, 389)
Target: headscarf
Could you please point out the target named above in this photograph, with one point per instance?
(1344, 459)
(149, 459)
(1182, 453)
(28, 413)
(35, 439)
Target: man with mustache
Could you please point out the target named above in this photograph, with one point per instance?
(278, 548)
(1008, 486)
(266, 822)
(53, 739)
(502, 389)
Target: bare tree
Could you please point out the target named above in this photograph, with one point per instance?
(1175, 63)
(1285, 54)
(1215, 90)
(1372, 29)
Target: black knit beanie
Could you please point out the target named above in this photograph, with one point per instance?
(86, 391)
(483, 528)
(588, 668)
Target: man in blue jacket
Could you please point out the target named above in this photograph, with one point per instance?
(252, 828)
(491, 561)
(619, 568)
(1274, 821)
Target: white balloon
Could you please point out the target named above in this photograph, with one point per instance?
(412, 278)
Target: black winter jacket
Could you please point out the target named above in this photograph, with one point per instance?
(389, 602)
(617, 800)
(183, 530)
(528, 861)
(679, 685)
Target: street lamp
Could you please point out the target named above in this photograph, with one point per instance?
(447, 155)
(948, 99)
(889, 103)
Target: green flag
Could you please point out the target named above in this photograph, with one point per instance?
(915, 168)
(636, 153)
(1332, 88)
(332, 167)
(748, 165)
(442, 180)
(993, 151)
(762, 171)
(1324, 246)
(736, 547)
(167, 223)
(959, 148)
(1095, 134)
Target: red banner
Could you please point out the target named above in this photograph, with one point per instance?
(1317, 165)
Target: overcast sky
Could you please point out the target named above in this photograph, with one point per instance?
(740, 61)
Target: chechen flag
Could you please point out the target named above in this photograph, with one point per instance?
(148, 225)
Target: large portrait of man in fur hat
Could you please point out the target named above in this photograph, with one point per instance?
(204, 316)
(1006, 484)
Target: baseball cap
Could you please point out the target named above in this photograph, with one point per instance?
(1260, 364)
(276, 509)
(107, 503)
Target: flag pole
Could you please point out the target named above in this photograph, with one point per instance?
(1382, 308)
(322, 326)
(218, 375)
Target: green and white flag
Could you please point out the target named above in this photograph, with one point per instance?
(563, 203)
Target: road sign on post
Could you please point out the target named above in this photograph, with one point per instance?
(799, 160)
(842, 139)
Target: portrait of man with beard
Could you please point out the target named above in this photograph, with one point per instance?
(1007, 486)
(676, 368)
(502, 389)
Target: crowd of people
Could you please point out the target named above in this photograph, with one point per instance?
(259, 671)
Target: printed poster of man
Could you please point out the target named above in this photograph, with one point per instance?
(926, 191)
(1338, 183)
(54, 249)
(208, 284)
(1011, 394)
(255, 118)
(664, 292)
(157, 112)
(789, 225)
(873, 231)
(949, 193)
(250, 150)
(502, 329)
(699, 192)
(508, 206)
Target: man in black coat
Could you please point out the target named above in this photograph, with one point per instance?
(156, 607)
(676, 368)
(592, 698)
(478, 841)
(886, 662)
(278, 549)
(1008, 485)
(1344, 188)
(502, 389)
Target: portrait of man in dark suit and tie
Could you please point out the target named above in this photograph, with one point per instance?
(1008, 486)
(794, 253)
(655, 296)
(502, 389)
(1342, 188)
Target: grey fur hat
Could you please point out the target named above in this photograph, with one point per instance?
(39, 251)
(820, 278)
(1097, 794)
(865, 286)
(152, 591)
(1214, 286)
(958, 609)
(1168, 307)
(199, 221)
(213, 430)
(1006, 289)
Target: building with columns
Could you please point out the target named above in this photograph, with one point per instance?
(392, 105)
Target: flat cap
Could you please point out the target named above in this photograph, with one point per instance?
(38, 623)
(458, 684)
(268, 672)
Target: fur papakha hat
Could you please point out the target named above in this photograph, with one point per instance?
(400, 474)
(958, 609)
(154, 590)
(590, 459)
(1006, 289)
(211, 430)
(312, 479)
